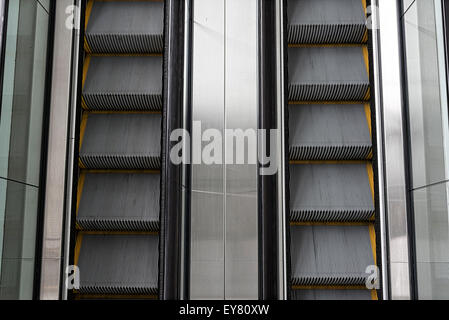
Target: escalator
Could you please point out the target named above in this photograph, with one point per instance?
(118, 197)
(331, 180)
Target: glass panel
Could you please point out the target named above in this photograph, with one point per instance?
(19, 240)
(432, 241)
(21, 120)
(427, 106)
(429, 138)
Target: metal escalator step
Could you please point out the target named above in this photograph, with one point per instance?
(327, 74)
(330, 193)
(122, 141)
(119, 202)
(124, 83)
(126, 27)
(330, 255)
(326, 21)
(321, 294)
(329, 132)
(118, 264)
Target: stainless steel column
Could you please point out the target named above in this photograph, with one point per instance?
(389, 101)
(52, 245)
(224, 226)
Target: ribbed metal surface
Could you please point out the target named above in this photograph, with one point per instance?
(320, 294)
(331, 180)
(117, 224)
(318, 33)
(119, 202)
(118, 264)
(331, 215)
(329, 132)
(324, 279)
(327, 74)
(122, 141)
(125, 43)
(328, 92)
(326, 21)
(312, 152)
(330, 192)
(119, 161)
(124, 83)
(123, 101)
(330, 255)
(126, 27)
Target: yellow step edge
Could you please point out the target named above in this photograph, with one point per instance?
(85, 69)
(370, 172)
(83, 125)
(81, 180)
(366, 59)
(365, 36)
(372, 234)
(89, 6)
(368, 118)
(78, 243)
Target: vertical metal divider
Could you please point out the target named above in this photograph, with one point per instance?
(283, 126)
(267, 184)
(44, 147)
(171, 242)
(409, 165)
(273, 190)
(287, 268)
(389, 102)
(78, 56)
(376, 161)
(378, 154)
(186, 168)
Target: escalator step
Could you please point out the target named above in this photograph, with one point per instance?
(324, 294)
(124, 83)
(329, 132)
(326, 21)
(330, 255)
(122, 141)
(330, 193)
(118, 264)
(126, 27)
(119, 202)
(327, 74)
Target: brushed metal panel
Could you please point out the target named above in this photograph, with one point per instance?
(207, 246)
(56, 161)
(224, 230)
(241, 108)
(206, 231)
(393, 136)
